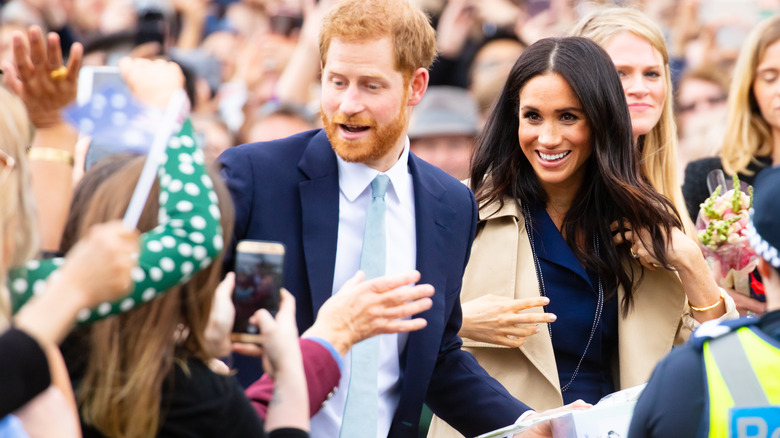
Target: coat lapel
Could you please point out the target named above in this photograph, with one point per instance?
(502, 236)
(320, 212)
(659, 300)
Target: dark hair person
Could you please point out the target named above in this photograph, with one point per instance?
(566, 213)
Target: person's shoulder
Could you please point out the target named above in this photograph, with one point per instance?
(703, 166)
(710, 330)
(440, 177)
(292, 147)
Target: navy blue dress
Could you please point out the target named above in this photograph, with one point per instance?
(573, 294)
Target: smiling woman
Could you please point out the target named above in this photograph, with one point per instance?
(637, 47)
(571, 231)
(554, 135)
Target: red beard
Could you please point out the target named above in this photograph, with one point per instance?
(380, 141)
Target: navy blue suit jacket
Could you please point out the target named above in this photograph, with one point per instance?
(288, 190)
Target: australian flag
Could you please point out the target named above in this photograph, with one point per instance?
(116, 123)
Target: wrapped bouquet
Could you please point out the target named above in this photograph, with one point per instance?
(722, 233)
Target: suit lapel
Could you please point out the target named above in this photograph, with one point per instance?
(320, 212)
(432, 219)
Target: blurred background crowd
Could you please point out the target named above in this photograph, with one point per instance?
(251, 71)
(252, 65)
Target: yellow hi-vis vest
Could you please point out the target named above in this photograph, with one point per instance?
(743, 370)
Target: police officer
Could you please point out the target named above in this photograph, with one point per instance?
(726, 381)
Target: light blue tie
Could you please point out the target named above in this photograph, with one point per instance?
(360, 412)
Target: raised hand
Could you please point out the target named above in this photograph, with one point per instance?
(44, 84)
(362, 309)
(99, 264)
(153, 82)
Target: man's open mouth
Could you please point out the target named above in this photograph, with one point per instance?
(353, 128)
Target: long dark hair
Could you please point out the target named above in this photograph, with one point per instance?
(613, 189)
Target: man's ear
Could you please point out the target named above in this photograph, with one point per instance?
(418, 84)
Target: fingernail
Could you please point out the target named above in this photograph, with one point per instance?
(537, 330)
(553, 317)
(546, 300)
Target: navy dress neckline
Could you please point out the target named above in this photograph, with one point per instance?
(573, 294)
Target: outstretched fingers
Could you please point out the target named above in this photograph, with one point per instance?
(390, 282)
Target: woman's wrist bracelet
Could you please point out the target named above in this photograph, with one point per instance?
(704, 309)
(51, 154)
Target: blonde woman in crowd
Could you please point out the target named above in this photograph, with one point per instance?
(97, 269)
(637, 47)
(752, 139)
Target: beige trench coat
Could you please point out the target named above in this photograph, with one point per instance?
(502, 264)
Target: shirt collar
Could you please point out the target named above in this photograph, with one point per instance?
(354, 178)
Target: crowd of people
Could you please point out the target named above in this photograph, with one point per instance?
(489, 211)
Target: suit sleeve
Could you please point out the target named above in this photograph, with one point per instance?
(461, 392)
(322, 377)
(236, 170)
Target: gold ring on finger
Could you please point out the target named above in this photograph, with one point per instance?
(59, 73)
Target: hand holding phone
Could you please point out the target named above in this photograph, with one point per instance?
(259, 271)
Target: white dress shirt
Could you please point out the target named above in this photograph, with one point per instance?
(354, 197)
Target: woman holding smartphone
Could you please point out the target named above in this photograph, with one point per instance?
(567, 214)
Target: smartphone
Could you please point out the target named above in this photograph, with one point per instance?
(94, 79)
(259, 271)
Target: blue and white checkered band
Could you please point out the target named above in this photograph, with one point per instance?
(763, 248)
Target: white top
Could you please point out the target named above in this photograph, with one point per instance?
(354, 197)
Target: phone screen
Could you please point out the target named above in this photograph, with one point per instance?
(259, 269)
(95, 79)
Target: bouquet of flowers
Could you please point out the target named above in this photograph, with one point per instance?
(722, 233)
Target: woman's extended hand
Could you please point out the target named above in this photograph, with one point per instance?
(99, 264)
(365, 308)
(544, 430)
(153, 82)
(499, 320)
(44, 84)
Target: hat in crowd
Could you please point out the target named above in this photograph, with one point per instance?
(764, 226)
(444, 111)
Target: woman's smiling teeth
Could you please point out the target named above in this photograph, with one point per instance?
(553, 157)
